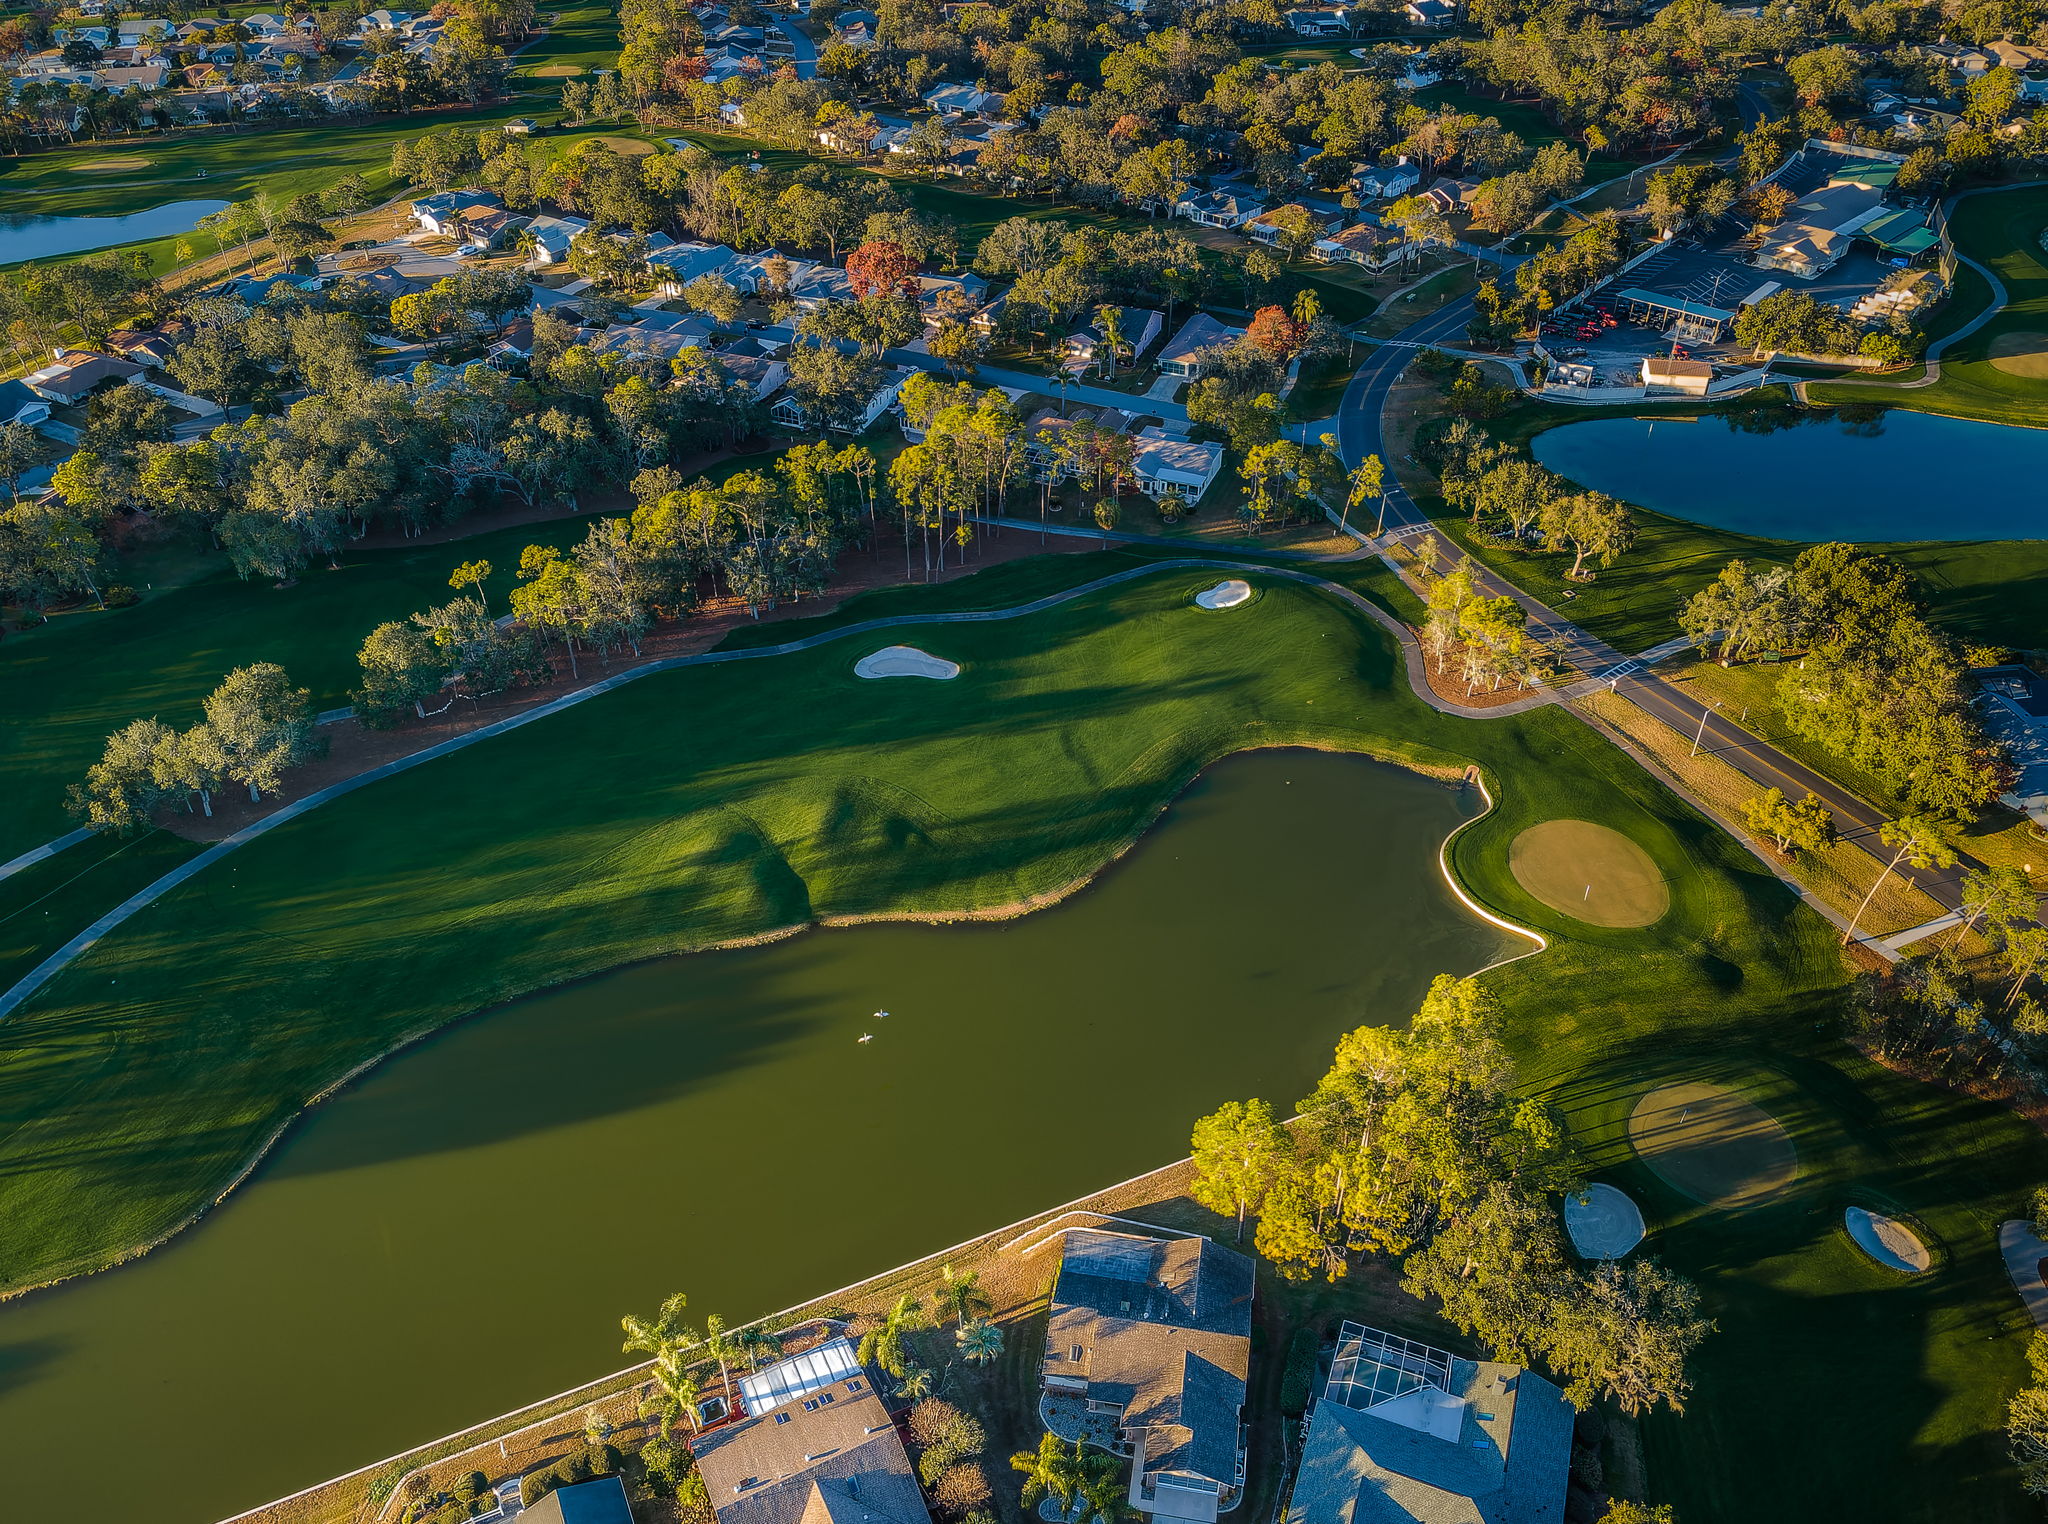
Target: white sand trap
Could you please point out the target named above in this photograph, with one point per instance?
(1891, 1244)
(1225, 595)
(905, 661)
(1603, 1222)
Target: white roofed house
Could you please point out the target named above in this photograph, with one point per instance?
(1217, 209)
(1184, 352)
(1165, 464)
(680, 263)
(1384, 181)
(1158, 1333)
(964, 100)
(442, 212)
(552, 237)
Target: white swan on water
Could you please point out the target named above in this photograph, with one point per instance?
(865, 1037)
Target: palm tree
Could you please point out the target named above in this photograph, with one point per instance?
(675, 1393)
(724, 1346)
(1050, 1471)
(960, 1294)
(883, 1344)
(914, 1383)
(1110, 320)
(980, 1341)
(666, 1333)
(758, 1347)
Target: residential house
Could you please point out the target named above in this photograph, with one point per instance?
(821, 284)
(787, 410)
(679, 264)
(1043, 457)
(478, 228)
(1430, 13)
(601, 1500)
(830, 1455)
(552, 237)
(957, 293)
(521, 127)
(858, 35)
(145, 347)
(1184, 352)
(954, 101)
(1407, 1434)
(515, 343)
(765, 377)
(1365, 244)
(442, 213)
(1965, 60)
(1448, 195)
(1383, 182)
(1277, 225)
(1158, 1333)
(655, 341)
(1318, 22)
(1139, 328)
(18, 404)
(749, 273)
(136, 31)
(1217, 209)
(263, 25)
(1168, 463)
(74, 374)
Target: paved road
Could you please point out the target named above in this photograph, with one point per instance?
(1359, 434)
(806, 59)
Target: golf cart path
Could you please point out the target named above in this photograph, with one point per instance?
(1411, 651)
(2023, 1255)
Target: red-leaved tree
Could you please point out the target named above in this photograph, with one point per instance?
(882, 268)
(1274, 331)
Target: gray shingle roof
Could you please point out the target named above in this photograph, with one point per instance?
(1164, 1330)
(1508, 1462)
(834, 1458)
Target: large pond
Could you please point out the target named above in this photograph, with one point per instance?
(23, 238)
(1868, 474)
(459, 1234)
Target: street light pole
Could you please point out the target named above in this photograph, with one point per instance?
(1702, 732)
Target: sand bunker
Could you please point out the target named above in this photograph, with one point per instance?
(905, 661)
(1225, 595)
(1891, 1244)
(1603, 1222)
(2020, 354)
(1712, 1144)
(1589, 872)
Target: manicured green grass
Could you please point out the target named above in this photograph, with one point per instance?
(1992, 591)
(65, 686)
(2003, 230)
(288, 160)
(742, 798)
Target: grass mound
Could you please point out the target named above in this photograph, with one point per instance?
(2024, 353)
(1590, 873)
(1712, 1144)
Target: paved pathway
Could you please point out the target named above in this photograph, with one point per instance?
(48, 849)
(806, 59)
(43, 972)
(2023, 1255)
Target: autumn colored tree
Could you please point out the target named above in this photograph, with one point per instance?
(1274, 331)
(881, 268)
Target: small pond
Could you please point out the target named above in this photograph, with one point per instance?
(1870, 474)
(23, 238)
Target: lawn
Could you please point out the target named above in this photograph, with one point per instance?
(2002, 229)
(742, 798)
(1991, 591)
(287, 160)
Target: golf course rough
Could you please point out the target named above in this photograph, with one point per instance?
(1589, 872)
(1712, 1145)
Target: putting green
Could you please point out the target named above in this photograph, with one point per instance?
(2020, 354)
(554, 71)
(113, 165)
(1589, 872)
(1712, 1144)
(632, 148)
